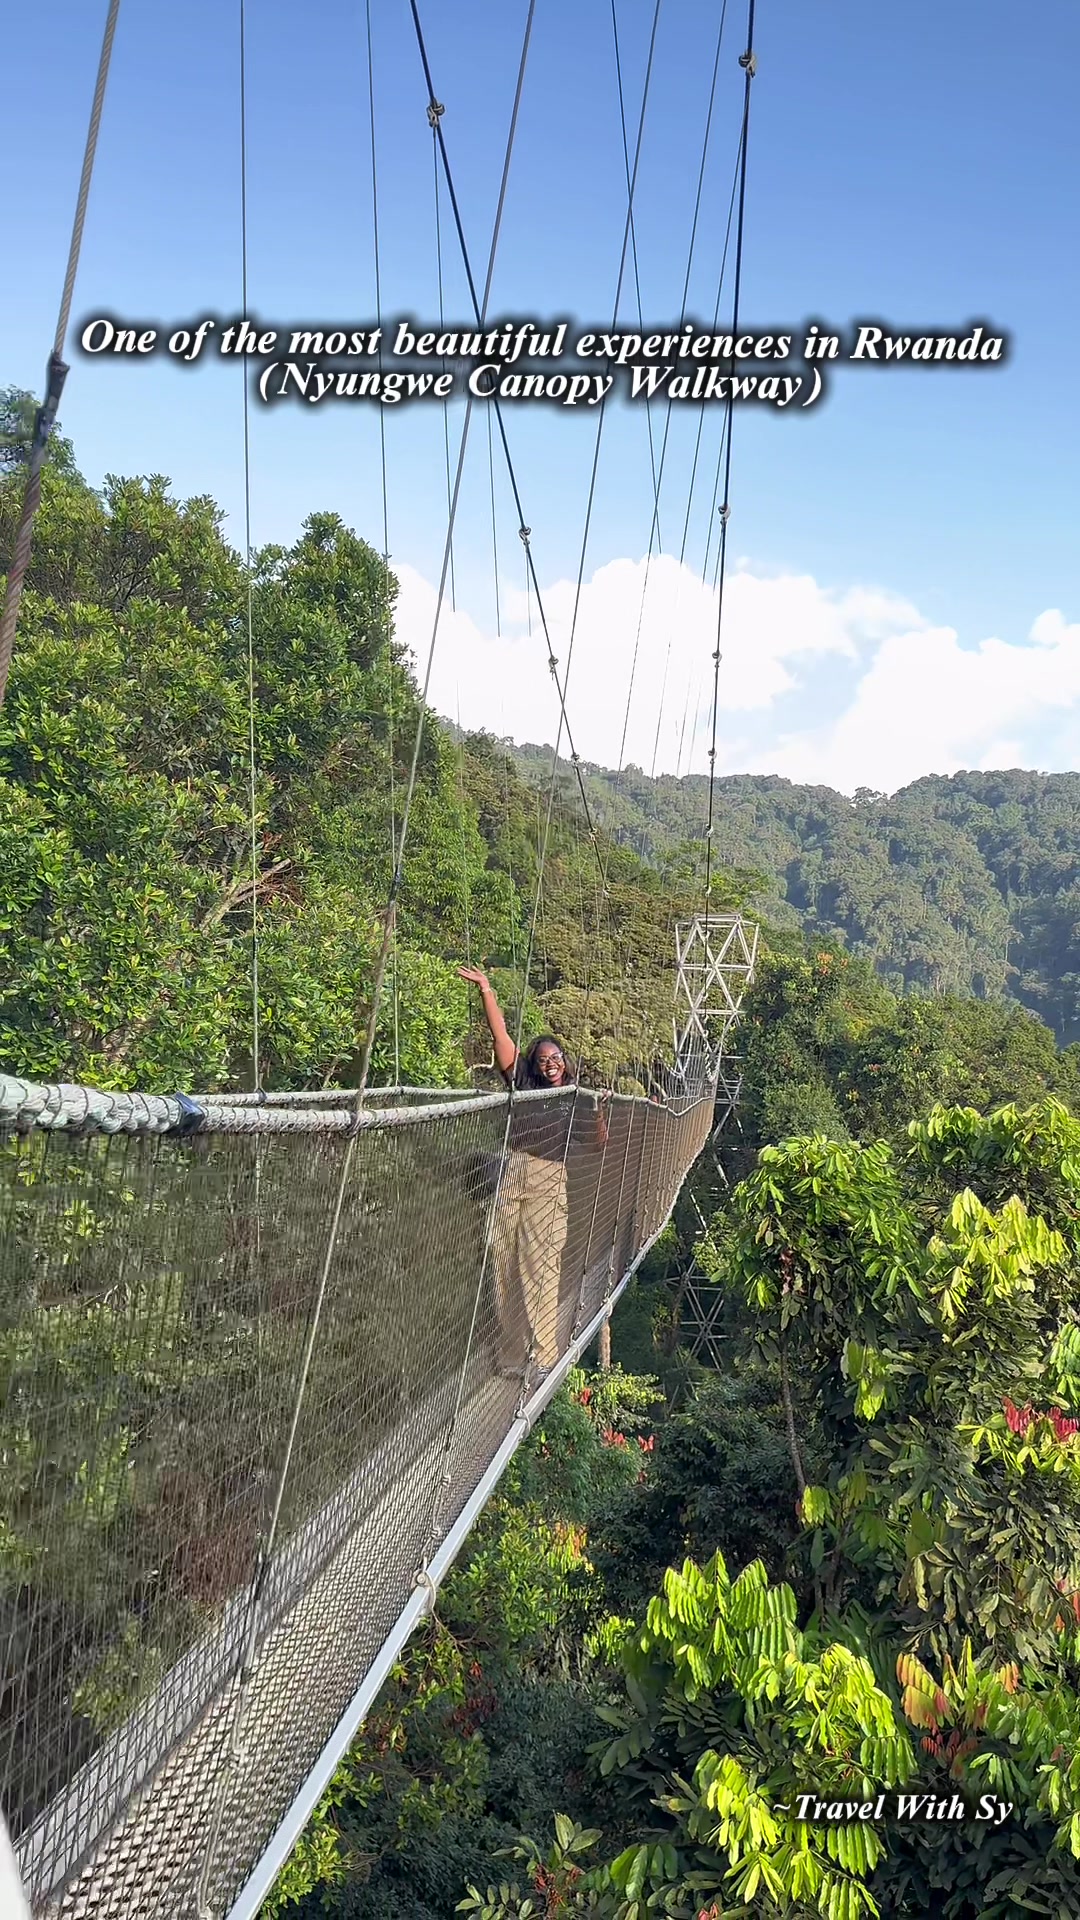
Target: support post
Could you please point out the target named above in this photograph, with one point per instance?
(717, 954)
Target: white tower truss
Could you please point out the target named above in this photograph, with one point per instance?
(716, 955)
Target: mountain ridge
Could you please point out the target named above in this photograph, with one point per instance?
(956, 883)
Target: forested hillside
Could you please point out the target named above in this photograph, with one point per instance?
(963, 885)
(843, 1561)
(127, 870)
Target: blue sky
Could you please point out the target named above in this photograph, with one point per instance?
(914, 164)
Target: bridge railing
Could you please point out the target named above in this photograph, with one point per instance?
(233, 1433)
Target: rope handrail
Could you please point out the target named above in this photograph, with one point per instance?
(325, 1096)
(185, 1358)
(56, 373)
(65, 1107)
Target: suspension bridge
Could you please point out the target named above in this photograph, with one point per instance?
(259, 1453)
(260, 1375)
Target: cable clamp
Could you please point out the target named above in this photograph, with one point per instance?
(524, 534)
(748, 62)
(552, 663)
(45, 418)
(422, 1578)
(724, 512)
(191, 1114)
(434, 114)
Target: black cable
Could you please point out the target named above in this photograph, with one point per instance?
(435, 112)
(446, 403)
(390, 745)
(633, 230)
(658, 474)
(748, 63)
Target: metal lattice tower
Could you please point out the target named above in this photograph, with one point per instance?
(701, 1299)
(717, 954)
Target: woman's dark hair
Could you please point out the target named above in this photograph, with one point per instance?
(527, 1073)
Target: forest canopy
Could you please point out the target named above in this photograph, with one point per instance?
(847, 1557)
(966, 885)
(124, 758)
(126, 847)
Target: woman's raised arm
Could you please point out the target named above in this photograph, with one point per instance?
(505, 1050)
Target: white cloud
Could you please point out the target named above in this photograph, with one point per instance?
(928, 705)
(906, 697)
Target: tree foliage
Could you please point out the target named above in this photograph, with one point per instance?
(134, 870)
(958, 885)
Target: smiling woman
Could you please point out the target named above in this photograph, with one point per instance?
(530, 1224)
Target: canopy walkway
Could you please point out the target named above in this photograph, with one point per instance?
(259, 1376)
(263, 1359)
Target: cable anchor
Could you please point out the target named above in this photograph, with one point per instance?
(422, 1579)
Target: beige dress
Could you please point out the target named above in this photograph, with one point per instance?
(528, 1240)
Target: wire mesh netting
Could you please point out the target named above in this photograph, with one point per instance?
(226, 1455)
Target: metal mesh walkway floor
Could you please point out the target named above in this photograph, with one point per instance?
(307, 1671)
(237, 1442)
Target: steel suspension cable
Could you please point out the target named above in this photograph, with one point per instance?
(446, 402)
(235, 1731)
(633, 225)
(494, 528)
(380, 970)
(690, 503)
(315, 1318)
(615, 315)
(435, 118)
(670, 402)
(56, 373)
(435, 113)
(510, 862)
(701, 410)
(604, 866)
(392, 782)
(256, 1269)
(253, 770)
(748, 62)
(724, 431)
(461, 826)
(658, 474)
(619, 963)
(563, 719)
